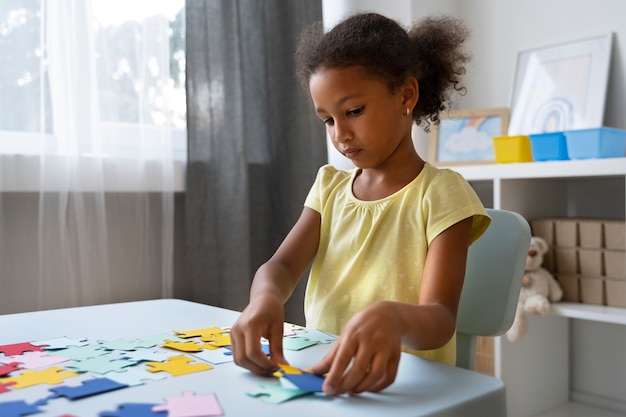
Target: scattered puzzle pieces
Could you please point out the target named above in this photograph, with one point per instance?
(50, 376)
(191, 405)
(178, 365)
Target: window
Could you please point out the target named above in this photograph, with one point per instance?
(115, 66)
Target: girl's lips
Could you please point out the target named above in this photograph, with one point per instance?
(351, 153)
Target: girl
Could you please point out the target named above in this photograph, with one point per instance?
(387, 240)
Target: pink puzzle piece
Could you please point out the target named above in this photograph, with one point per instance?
(35, 360)
(191, 405)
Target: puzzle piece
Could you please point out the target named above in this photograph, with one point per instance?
(8, 368)
(219, 340)
(277, 394)
(61, 343)
(145, 355)
(178, 365)
(205, 332)
(88, 388)
(158, 339)
(287, 369)
(4, 387)
(81, 353)
(18, 409)
(188, 346)
(121, 344)
(102, 365)
(19, 348)
(136, 376)
(191, 405)
(133, 410)
(50, 376)
(291, 329)
(306, 381)
(297, 343)
(316, 336)
(34, 360)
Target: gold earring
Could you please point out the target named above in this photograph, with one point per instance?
(408, 111)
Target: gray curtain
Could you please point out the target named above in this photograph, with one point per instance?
(255, 144)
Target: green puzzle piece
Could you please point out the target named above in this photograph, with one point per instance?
(276, 394)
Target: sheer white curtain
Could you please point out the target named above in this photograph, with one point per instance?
(92, 147)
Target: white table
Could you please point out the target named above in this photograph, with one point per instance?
(422, 387)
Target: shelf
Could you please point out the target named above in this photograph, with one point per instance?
(605, 314)
(549, 169)
(579, 410)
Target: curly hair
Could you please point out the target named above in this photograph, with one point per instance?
(431, 51)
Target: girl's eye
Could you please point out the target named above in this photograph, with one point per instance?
(329, 121)
(356, 112)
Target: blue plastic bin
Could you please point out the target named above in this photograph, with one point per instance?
(548, 146)
(601, 142)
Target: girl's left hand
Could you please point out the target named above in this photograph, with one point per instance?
(366, 355)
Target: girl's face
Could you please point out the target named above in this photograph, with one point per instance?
(366, 122)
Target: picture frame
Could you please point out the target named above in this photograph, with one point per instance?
(561, 87)
(465, 137)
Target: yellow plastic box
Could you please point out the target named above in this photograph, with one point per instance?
(512, 149)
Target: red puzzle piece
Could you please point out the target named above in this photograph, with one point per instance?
(8, 368)
(19, 348)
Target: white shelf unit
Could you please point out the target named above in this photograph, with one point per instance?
(573, 360)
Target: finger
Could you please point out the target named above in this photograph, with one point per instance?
(323, 366)
(392, 371)
(275, 339)
(378, 375)
(252, 357)
(341, 360)
(358, 372)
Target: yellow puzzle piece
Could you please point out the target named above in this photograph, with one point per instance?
(178, 365)
(28, 378)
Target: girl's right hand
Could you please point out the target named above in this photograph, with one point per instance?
(263, 317)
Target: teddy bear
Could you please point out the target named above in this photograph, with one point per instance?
(539, 289)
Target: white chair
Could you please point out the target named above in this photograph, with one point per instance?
(493, 278)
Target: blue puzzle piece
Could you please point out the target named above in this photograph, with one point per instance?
(306, 381)
(134, 410)
(89, 387)
(18, 409)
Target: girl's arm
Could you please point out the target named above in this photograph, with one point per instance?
(272, 285)
(372, 339)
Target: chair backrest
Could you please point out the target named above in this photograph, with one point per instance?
(493, 278)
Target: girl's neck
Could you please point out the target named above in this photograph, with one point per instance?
(376, 183)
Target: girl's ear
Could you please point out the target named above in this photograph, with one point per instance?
(410, 93)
